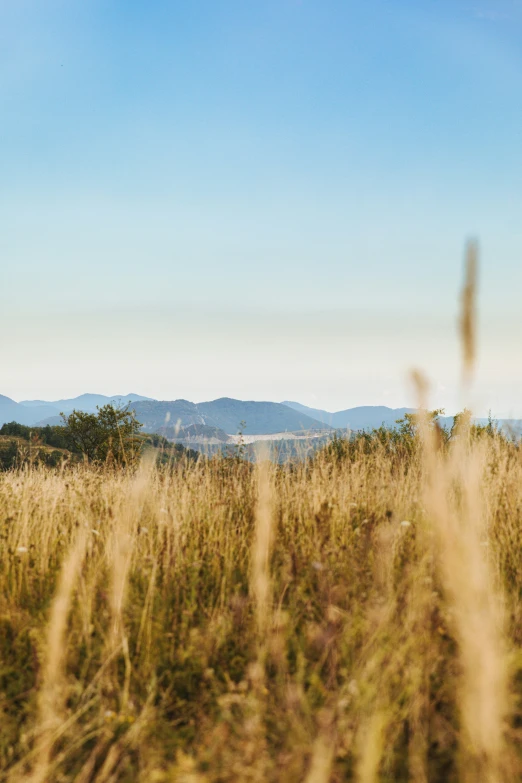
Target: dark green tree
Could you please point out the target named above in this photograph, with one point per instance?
(9, 456)
(111, 435)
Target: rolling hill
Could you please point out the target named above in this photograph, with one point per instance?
(15, 411)
(224, 414)
(261, 418)
(366, 417)
(362, 417)
(217, 419)
(85, 402)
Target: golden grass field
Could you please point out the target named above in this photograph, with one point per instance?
(353, 618)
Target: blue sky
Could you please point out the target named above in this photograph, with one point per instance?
(266, 200)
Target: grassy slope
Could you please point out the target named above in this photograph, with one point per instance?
(224, 622)
(24, 447)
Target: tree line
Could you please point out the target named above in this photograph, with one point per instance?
(111, 436)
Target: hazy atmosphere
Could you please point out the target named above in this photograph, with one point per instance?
(260, 391)
(258, 200)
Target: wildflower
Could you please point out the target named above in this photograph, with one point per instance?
(21, 550)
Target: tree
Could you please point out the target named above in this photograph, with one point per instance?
(463, 424)
(409, 427)
(9, 455)
(112, 434)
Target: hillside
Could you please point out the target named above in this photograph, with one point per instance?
(226, 414)
(42, 412)
(15, 451)
(84, 402)
(217, 419)
(278, 450)
(15, 411)
(359, 418)
(50, 446)
(371, 597)
(195, 433)
(22, 446)
(367, 417)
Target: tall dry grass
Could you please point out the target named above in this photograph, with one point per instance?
(355, 617)
(351, 619)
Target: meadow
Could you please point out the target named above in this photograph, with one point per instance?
(355, 616)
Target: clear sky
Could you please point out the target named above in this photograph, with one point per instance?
(263, 199)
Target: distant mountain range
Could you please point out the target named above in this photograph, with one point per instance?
(260, 418)
(85, 402)
(33, 412)
(222, 417)
(218, 419)
(14, 411)
(367, 417)
(363, 417)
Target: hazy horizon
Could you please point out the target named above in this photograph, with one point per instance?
(260, 201)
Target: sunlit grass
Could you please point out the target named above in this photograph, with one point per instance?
(352, 618)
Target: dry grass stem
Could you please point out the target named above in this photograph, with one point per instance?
(468, 318)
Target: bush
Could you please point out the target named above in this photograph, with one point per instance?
(111, 435)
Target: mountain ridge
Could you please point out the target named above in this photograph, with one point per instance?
(87, 401)
(360, 417)
(218, 418)
(34, 412)
(10, 410)
(227, 414)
